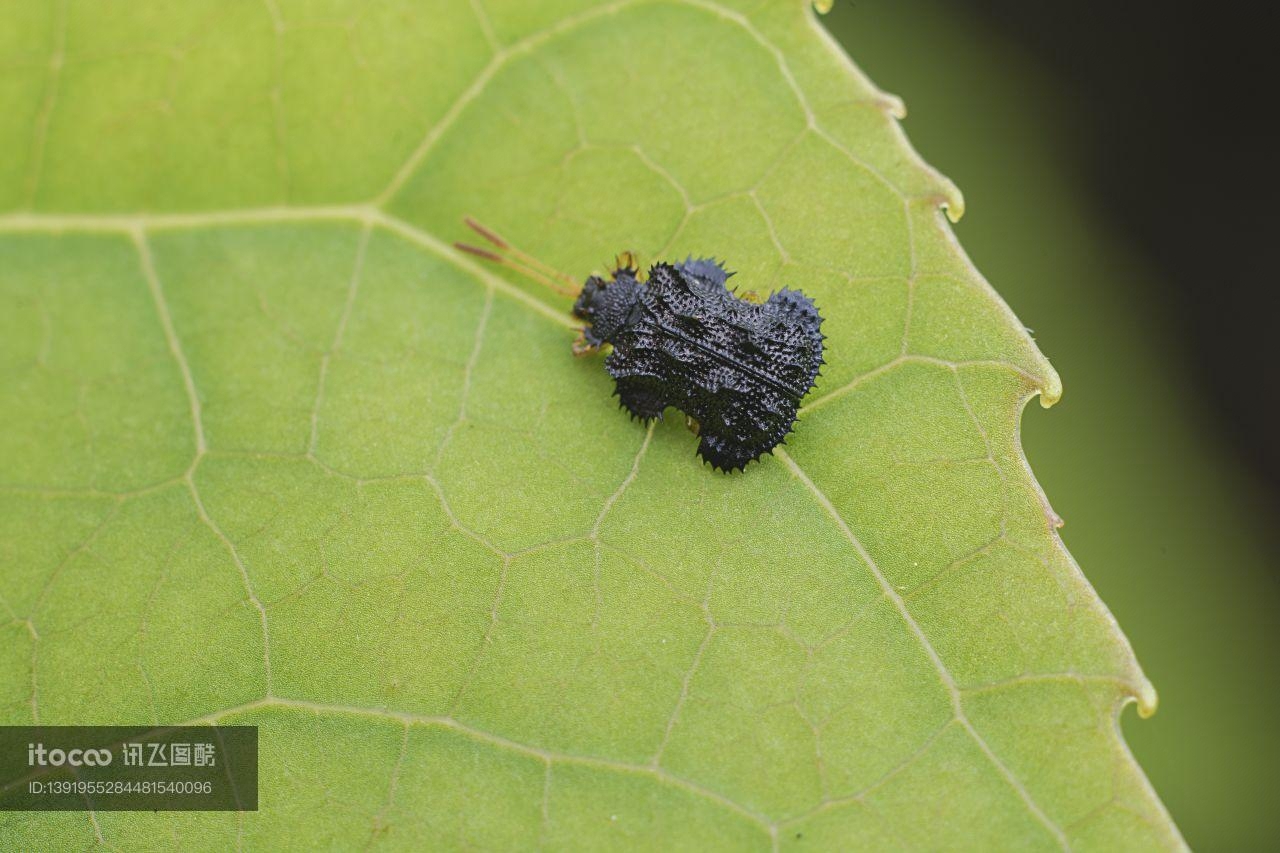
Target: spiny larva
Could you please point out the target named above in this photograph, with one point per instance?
(736, 366)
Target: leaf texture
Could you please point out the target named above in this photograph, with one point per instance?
(274, 454)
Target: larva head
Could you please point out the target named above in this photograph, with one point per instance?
(606, 304)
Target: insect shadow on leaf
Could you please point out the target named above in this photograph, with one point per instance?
(737, 366)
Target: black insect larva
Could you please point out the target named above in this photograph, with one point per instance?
(737, 366)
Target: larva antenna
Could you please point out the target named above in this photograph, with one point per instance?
(522, 262)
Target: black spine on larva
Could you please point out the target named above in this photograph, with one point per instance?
(682, 339)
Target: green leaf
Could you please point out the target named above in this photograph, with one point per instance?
(275, 454)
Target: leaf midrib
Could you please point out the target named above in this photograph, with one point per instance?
(368, 216)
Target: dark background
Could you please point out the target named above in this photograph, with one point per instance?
(1119, 167)
(1177, 133)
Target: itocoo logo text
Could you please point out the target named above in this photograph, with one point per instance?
(38, 756)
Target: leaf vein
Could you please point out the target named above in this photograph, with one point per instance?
(944, 674)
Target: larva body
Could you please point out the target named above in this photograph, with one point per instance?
(738, 368)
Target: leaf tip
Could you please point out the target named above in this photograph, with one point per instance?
(1051, 390)
(1147, 699)
(952, 201)
(893, 105)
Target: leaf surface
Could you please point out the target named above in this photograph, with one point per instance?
(275, 454)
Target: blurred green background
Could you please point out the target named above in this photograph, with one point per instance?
(1171, 527)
